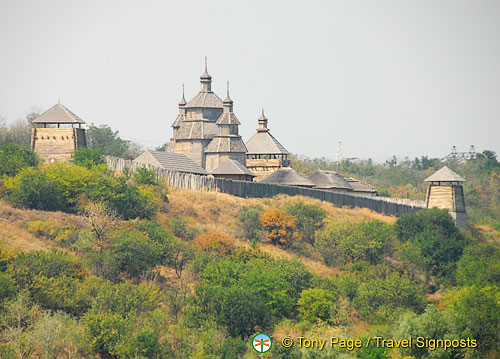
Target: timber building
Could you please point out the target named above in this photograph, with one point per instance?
(265, 154)
(54, 136)
(206, 130)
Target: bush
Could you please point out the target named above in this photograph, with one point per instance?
(88, 157)
(60, 186)
(52, 231)
(33, 189)
(53, 280)
(249, 295)
(308, 218)
(144, 176)
(316, 304)
(383, 296)
(13, 159)
(249, 218)
(134, 253)
(278, 226)
(346, 242)
(214, 242)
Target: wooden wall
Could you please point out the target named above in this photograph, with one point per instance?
(57, 144)
(388, 206)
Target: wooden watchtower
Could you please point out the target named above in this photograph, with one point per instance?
(54, 136)
(446, 192)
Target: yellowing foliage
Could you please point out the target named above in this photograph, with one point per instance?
(214, 242)
(278, 227)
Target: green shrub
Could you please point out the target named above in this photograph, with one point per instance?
(316, 304)
(345, 242)
(88, 157)
(249, 219)
(309, 218)
(60, 186)
(144, 176)
(13, 159)
(33, 189)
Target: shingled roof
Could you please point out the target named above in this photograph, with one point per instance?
(360, 186)
(289, 177)
(58, 114)
(195, 130)
(445, 175)
(329, 180)
(263, 143)
(232, 167)
(226, 143)
(205, 100)
(170, 161)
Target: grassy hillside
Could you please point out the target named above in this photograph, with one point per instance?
(96, 264)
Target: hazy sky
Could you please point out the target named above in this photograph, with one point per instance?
(384, 77)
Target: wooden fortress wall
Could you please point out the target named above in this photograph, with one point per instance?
(385, 205)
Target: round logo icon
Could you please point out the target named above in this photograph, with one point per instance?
(262, 343)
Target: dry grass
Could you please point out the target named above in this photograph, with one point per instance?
(15, 237)
(17, 215)
(217, 212)
(207, 211)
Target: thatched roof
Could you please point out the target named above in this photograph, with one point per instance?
(445, 175)
(232, 167)
(58, 114)
(288, 176)
(329, 180)
(170, 161)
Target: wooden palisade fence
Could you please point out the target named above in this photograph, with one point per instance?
(385, 205)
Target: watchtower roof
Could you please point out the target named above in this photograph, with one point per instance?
(264, 143)
(58, 114)
(289, 177)
(445, 175)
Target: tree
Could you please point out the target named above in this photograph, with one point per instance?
(14, 158)
(431, 324)
(17, 133)
(475, 313)
(434, 232)
(279, 227)
(102, 220)
(308, 218)
(88, 157)
(109, 142)
(479, 265)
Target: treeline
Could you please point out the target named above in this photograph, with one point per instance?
(405, 178)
